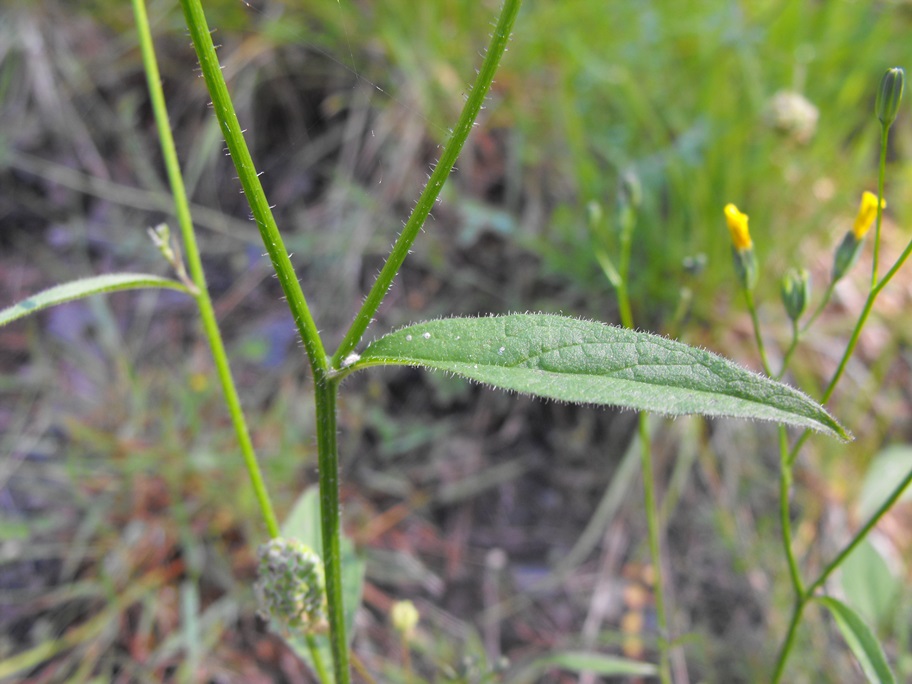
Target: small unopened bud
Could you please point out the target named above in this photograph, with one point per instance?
(742, 247)
(630, 190)
(846, 255)
(161, 238)
(404, 617)
(630, 197)
(291, 585)
(795, 290)
(889, 95)
(850, 248)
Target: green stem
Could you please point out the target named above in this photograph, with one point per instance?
(653, 524)
(655, 548)
(820, 307)
(884, 131)
(319, 665)
(623, 293)
(755, 321)
(326, 390)
(785, 520)
(789, 643)
(861, 534)
(191, 249)
(429, 195)
(253, 189)
(793, 345)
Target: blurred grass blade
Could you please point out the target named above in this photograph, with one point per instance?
(593, 363)
(85, 287)
(580, 661)
(303, 524)
(861, 640)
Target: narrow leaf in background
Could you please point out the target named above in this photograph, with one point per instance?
(85, 287)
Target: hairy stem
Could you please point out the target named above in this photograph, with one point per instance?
(326, 391)
(400, 251)
(250, 181)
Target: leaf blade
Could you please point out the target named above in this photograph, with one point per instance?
(587, 362)
(583, 661)
(85, 287)
(861, 641)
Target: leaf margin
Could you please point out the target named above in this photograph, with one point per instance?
(860, 640)
(80, 288)
(820, 421)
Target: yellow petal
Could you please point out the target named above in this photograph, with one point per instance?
(867, 212)
(737, 226)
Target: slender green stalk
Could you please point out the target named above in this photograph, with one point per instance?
(789, 642)
(884, 131)
(429, 195)
(319, 665)
(191, 249)
(821, 306)
(623, 291)
(861, 534)
(785, 520)
(793, 345)
(243, 162)
(755, 322)
(655, 548)
(653, 522)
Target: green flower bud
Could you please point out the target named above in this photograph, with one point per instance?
(889, 95)
(745, 267)
(795, 290)
(630, 190)
(161, 238)
(846, 255)
(291, 586)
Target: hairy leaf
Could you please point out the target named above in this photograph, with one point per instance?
(593, 363)
(84, 287)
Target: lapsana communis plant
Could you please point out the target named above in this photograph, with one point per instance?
(795, 291)
(311, 577)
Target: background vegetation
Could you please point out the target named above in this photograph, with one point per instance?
(126, 541)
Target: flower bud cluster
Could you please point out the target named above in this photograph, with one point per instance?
(291, 585)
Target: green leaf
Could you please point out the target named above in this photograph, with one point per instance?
(885, 471)
(85, 287)
(861, 640)
(303, 524)
(593, 363)
(869, 585)
(579, 661)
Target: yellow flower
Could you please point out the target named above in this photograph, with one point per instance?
(867, 212)
(737, 226)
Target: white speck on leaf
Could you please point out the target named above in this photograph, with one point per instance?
(408, 338)
(501, 350)
(427, 336)
(351, 359)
